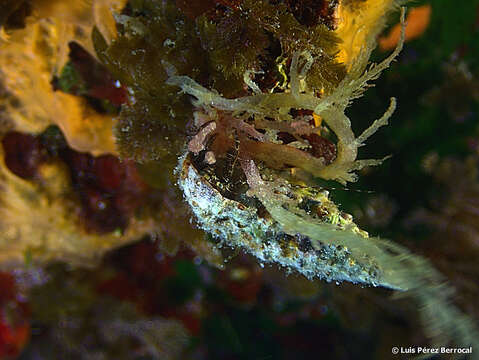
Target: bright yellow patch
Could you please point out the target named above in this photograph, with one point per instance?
(317, 122)
(358, 24)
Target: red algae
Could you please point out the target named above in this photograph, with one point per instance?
(311, 12)
(322, 148)
(110, 190)
(99, 81)
(14, 316)
(23, 153)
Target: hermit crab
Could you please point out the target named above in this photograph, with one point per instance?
(247, 173)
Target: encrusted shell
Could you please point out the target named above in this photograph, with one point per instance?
(237, 225)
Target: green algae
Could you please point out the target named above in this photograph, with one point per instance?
(154, 38)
